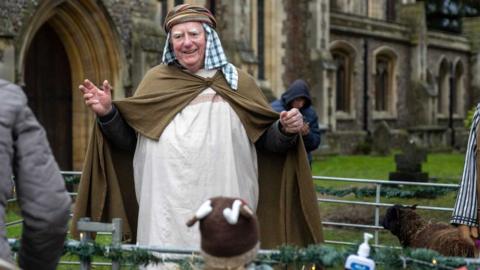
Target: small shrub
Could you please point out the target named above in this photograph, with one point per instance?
(469, 118)
(364, 148)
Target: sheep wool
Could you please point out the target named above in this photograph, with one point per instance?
(413, 231)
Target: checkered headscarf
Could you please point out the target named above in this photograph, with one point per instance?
(214, 56)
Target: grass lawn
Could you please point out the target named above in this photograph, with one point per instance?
(441, 167)
(15, 231)
(444, 167)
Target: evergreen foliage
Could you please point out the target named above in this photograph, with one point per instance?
(446, 15)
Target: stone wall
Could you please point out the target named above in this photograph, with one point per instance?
(402, 78)
(297, 58)
(412, 87)
(13, 13)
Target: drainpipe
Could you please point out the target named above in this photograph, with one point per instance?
(261, 39)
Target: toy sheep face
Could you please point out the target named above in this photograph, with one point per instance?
(228, 227)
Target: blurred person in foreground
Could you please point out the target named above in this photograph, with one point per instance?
(465, 213)
(196, 127)
(40, 188)
(298, 96)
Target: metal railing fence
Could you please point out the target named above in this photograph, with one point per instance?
(377, 204)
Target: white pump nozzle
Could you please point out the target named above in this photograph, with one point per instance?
(364, 248)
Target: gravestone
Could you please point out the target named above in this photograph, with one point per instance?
(409, 163)
(381, 139)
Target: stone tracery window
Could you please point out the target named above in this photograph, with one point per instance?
(161, 12)
(343, 81)
(390, 10)
(451, 88)
(384, 83)
(342, 96)
(459, 90)
(443, 88)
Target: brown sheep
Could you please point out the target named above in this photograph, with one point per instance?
(413, 231)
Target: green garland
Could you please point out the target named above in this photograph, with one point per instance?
(85, 252)
(418, 259)
(72, 179)
(421, 192)
(313, 255)
(326, 256)
(389, 192)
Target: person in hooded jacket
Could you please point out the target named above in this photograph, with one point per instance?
(298, 96)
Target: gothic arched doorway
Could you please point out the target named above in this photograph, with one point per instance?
(48, 86)
(87, 42)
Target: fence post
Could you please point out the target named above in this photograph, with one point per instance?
(85, 237)
(116, 239)
(377, 210)
(86, 227)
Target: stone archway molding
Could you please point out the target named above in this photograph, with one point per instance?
(94, 51)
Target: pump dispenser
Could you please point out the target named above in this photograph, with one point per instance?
(361, 260)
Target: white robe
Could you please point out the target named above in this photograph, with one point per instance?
(203, 152)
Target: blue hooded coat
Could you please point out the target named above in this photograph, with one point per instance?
(299, 88)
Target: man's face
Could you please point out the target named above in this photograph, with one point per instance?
(298, 102)
(189, 42)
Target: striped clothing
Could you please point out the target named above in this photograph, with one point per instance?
(465, 211)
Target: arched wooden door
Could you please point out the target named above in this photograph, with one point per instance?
(48, 86)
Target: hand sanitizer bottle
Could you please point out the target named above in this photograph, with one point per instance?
(361, 260)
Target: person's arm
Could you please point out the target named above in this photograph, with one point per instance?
(117, 131)
(41, 193)
(282, 134)
(312, 139)
(274, 140)
(111, 122)
(465, 210)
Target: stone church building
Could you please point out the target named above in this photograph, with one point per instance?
(370, 63)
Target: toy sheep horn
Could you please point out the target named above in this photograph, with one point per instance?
(246, 211)
(203, 211)
(231, 214)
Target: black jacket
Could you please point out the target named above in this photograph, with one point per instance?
(299, 88)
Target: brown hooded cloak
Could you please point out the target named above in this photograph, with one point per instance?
(287, 211)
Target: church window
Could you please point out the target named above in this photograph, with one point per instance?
(161, 12)
(458, 90)
(384, 85)
(342, 80)
(390, 10)
(443, 88)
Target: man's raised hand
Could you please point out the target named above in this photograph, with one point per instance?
(99, 101)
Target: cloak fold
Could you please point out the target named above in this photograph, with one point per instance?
(288, 211)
